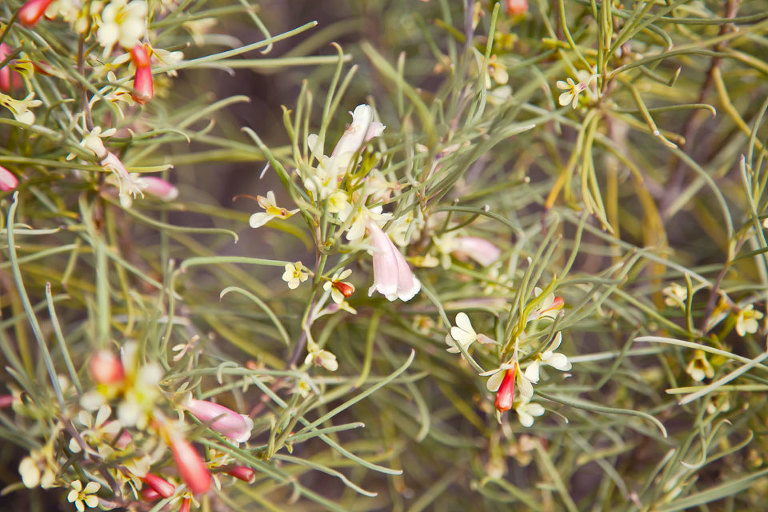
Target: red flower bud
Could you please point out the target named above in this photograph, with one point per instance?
(8, 79)
(142, 82)
(106, 368)
(243, 473)
(506, 393)
(345, 289)
(186, 504)
(31, 12)
(191, 467)
(160, 485)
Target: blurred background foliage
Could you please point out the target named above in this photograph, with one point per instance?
(656, 177)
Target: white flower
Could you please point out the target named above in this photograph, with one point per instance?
(361, 216)
(123, 23)
(362, 129)
(272, 211)
(84, 497)
(463, 334)
(294, 274)
(324, 358)
(747, 320)
(548, 307)
(526, 412)
(392, 277)
(479, 249)
(550, 357)
(573, 89)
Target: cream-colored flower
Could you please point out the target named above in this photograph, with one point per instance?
(549, 307)
(98, 430)
(548, 357)
(675, 295)
(272, 211)
(699, 367)
(526, 411)
(574, 88)
(21, 108)
(295, 274)
(320, 357)
(463, 335)
(496, 71)
(747, 320)
(84, 497)
(122, 23)
(38, 468)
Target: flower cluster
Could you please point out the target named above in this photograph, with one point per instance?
(511, 375)
(122, 424)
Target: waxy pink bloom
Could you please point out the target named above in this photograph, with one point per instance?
(243, 473)
(186, 505)
(7, 180)
(31, 12)
(157, 187)
(506, 392)
(227, 422)
(191, 467)
(6, 401)
(106, 367)
(478, 249)
(8, 79)
(392, 277)
(149, 494)
(161, 486)
(142, 82)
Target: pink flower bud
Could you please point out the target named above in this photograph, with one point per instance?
(149, 494)
(6, 401)
(186, 505)
(392, 277)
(506, 392)
(142, 82)
(160, 485)
(243, 473)
(227, 422)
(31, 12)
(517, 7)
(190, 466)
(8, 79)
(106, 368)
(158, 187)
(479, 249)
(7, 180)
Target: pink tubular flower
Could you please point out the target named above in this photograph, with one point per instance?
(142, 82)
(8, 79)
(158, 187)
(190, 466)
(161, 486)
(243, 473)
(186, 505)
(506, 393)
(392, 277)
(149, 494)
(478, 249)
(106, 368)
(227, 422)
(31, 12)
(7, 180)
